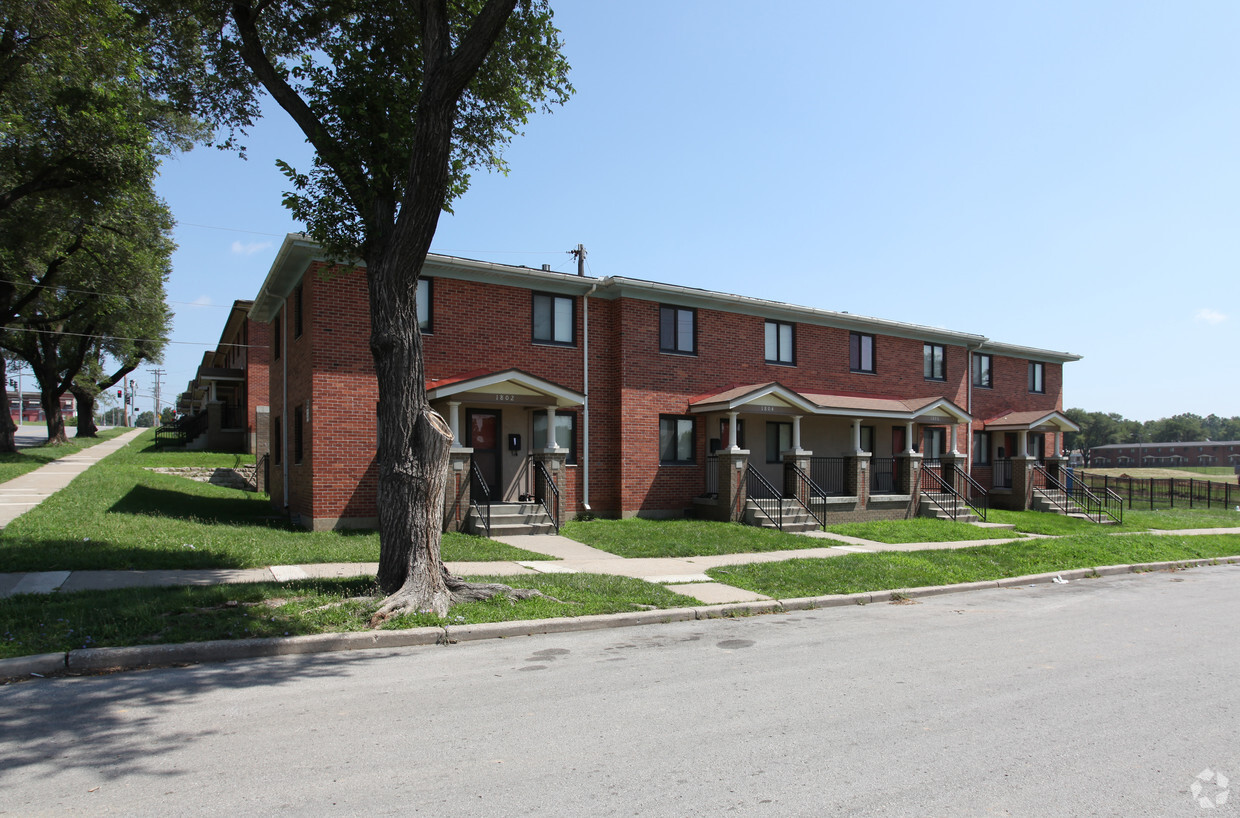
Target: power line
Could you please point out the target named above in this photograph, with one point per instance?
(144, 340)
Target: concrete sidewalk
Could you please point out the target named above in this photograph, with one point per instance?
(22, 493)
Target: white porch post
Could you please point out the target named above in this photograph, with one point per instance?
(732, 447)
(908, 436)
(454, 422)
(1059, 443)
(1022, 442)
(954, 449)
(856, 434)
(796, 433)
(552, 443)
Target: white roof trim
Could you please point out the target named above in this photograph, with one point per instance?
(562, 396)
(794, 400)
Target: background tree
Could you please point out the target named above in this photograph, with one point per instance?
(108, 297)
(400, 100)
(146, 419)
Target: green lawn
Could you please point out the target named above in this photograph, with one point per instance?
(636, 537)
(140, 616)
(119, 515)
(27, 460)
(1041, 522)
(918, 529)
(855, 573)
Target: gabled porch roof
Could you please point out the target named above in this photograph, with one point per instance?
(773, 394)
(1031, 421)
(513, 384)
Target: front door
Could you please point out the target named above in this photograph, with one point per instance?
(484, 438)
(932, 442)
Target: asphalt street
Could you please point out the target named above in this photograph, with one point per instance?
(1099, 697)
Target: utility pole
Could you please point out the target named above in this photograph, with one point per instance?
(158, 373)
(580, 253)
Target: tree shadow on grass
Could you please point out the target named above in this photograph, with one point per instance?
(25, 554)
(157, 502)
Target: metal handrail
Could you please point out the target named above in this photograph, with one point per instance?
(1001, 471)
(944, 487)
(181, 431)
(540, 468)
(828, 474)
(812, 491)
(1093, 506)
(483, 508)
(712, 476)
(882, 475)
(759, 489)
(978, 509)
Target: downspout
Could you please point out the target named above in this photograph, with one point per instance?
(585, 407)
(968, 400)
(284, 398)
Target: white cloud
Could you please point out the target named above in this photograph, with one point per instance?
(250, 248)
(1209, 316)
(202, 301)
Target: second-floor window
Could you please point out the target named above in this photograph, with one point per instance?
(677, 330)
(933, 362)
(553, 319)
(860, 352)
(425, 305)
(1037, 376)
(779, 343)
(981, 370)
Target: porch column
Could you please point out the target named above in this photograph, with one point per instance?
(1022, 442)
(552, 443)
(1058, 442)
(454, 421)
(908, 436)
(856, 435)
(796, 433)
(732, 464)
(732, 417)
(954, 450)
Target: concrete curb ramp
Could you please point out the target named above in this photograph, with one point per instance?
(103, 660)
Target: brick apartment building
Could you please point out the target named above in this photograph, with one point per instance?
(1191, 453)
(656, 394)
(228, 395)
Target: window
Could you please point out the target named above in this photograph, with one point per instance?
(981, 370)
(933, 358)
(676, 436)
(553, 319)
(275, 336)
(1037, 377)
(425, 305)
(565, 432)
(277, 442)
(860, 352)
(678, 330)
(297, 310)
(867, 439)
(779, 343)
(981, 448)
(932, 442)
(778, 440)
(298, 427)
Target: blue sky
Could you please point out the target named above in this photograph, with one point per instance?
(1057, 175)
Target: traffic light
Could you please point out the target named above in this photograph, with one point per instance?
(119, 392)
(12, 384)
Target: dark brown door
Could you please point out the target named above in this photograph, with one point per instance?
(484, 439)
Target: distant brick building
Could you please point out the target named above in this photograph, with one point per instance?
(30, 407)
(648, 388)
(1191, 453)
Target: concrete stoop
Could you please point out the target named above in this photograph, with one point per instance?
(929, 508)
(512, 519)
(794, 516)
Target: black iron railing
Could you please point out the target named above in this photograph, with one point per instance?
(1165, 492)
(540, 493)
(1072, 496)
(480, 495)
(712, 476)
(805, 491)
(882, 475)
(976, 496)
(828, 474)
(1002, 474)
(182, 430)
(768, 499)
(941, 493)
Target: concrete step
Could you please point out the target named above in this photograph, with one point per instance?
(512, 520)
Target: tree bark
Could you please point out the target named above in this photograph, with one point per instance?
(85, 412)
(8, 429)
(55, 420)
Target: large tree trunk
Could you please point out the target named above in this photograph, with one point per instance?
(85, 413)
(8, 443)
(55, 420)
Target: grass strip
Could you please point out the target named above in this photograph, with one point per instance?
(33, 623)
(120, 515)
(855, 573)
(28, 459)
(1135, 520)
(636, 537)
(918, 529)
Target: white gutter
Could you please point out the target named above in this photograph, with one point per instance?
(585, 388)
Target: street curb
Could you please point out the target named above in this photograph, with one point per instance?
(89, 660)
